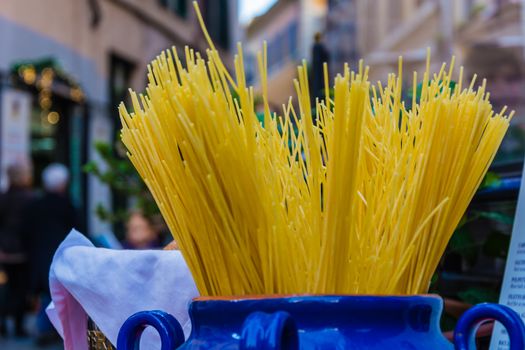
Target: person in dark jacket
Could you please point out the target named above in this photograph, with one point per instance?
(320, 56)
(12, 251)
(51, 218)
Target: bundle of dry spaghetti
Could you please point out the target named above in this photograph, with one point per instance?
(365, 200)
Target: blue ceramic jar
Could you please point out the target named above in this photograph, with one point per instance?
(319, 322)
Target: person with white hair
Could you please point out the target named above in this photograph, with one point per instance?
(55, 178)
(49, 220)
(12, 250)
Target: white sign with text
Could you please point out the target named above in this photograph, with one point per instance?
(513, 287)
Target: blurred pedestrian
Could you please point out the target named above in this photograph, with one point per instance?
(142, 232)
(49, 219)
(320, 56)
(12, 251)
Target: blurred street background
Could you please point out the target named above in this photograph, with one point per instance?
(65, 65)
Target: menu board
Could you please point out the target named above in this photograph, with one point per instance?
(513, 288)
(14, 129)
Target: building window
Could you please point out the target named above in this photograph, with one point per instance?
(216, 16)
(293, 29)
(251, 68)
(274, 56)
(177, 6)
(120, 74)
(283, 47)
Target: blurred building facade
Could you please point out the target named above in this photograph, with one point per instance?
(66, 64)
(492, 44)
(381, 30)
(341, 33)
(288, 27)
(485, 36)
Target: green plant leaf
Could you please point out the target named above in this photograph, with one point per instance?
(104, 149)
(495, 216)
(491, 179)
(464, 220)
(462, 243)
(479, 295)
(91, 168)
(120, 175)
(496, 245)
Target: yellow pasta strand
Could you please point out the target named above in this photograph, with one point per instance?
(357, 195)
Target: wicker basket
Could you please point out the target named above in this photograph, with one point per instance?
(96, 339)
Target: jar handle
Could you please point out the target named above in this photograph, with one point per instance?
(470, 321)
(263, 331)
(170, 330)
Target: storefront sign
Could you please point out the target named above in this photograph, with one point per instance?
(513, 288)
(15, 115)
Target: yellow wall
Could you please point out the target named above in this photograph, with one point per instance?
(120, 31)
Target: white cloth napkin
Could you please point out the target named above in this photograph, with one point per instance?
(111, 285)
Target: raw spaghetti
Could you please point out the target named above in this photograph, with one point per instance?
(364, 201)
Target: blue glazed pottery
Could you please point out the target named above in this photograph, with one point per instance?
(320, 322)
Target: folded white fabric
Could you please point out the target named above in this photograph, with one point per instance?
(111, 285)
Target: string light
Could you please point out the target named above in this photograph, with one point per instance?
(53, 118)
